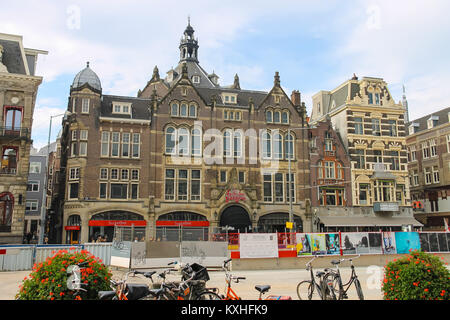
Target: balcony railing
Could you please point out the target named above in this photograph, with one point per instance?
(11, 132)
(10, 171)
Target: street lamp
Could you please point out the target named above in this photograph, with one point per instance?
(44, 194)
(290, 155)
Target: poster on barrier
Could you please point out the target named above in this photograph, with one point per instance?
(332, 243)
(434, 241)
(355, 243)
(389, 246)
(303, 245)
(375, 243)
(407, 241)
(318, 243)
(258, 245)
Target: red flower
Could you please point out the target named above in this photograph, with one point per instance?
(61, 294)
(426, 290)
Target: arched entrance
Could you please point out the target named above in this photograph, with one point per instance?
(132, 225)
(236, 217)
(73, 229)
(276, 222)
(6, 211)
(182, 225)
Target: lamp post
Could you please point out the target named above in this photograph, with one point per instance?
(44, 194)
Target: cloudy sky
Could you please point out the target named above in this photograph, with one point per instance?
(314, 44)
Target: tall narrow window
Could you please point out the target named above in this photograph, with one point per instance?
(237, 144)
(376, 127)
(428, 176)
(425, 150)
(136, 145)
(192, 111)
(269, 116)
(285, 117)
(329, 170)
(267, 187)
(370, 98)
(289, 147)
(196, 142)
(170, 184)
(195, 185)
(183, 142)
(170, 140)
(363, 194)
(183, 110)
(227, 143)
(105, 144)
(83, 148)
(103, 190)
(174, 109)
(360, 159)
(436, 174)
(115, 141)
(134, 191)
(85, 106)
(267, 145)
(377, 98)
(433, 150)
(392, 128)
(9, 160)
(290, 188)
(182, 184)
(125, 145)
(359, 129)
(277, 146)
(279, 194)
(276, 117)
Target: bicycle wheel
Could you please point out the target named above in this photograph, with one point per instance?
(331, 287)
(208, 295)
(306, 291)
(359, 290)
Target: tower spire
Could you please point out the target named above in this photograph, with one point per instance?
(405, 104)
(188, 45)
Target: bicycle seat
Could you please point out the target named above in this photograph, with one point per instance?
(335, 262)
(136, 291)
(106, 295)
(263, 288)
(319, 274)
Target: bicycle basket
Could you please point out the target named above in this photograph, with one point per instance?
(200, 272)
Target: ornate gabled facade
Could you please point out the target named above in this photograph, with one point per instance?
(372, 128)
(18, 90)
(185, 152)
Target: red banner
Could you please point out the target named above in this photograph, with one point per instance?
(70, 228)
(182, 223)
(119, 223)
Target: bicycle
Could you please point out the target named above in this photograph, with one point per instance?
(128, 291)
(263, 289)
(230, 294)
(333, 281)
(307, 288)
(187, 289)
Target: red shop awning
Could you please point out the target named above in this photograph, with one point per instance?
(119, 223)
(182, 223)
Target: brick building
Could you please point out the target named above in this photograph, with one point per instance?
(185, 152)
(18, 89)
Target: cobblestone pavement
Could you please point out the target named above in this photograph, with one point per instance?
(282, 282)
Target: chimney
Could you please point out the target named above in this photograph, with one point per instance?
(295, 98)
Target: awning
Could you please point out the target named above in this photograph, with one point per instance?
(369, 221)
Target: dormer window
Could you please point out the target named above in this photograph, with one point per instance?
(229, 98)
(121, 108)
(196, 79)
(432, 122)
(413, 128)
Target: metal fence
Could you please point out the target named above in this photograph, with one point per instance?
(23, 257)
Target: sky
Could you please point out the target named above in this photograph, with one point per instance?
(314, 45)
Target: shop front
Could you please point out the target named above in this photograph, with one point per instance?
(180, 225)
(276, 222)
(73, 229)
(128, 226)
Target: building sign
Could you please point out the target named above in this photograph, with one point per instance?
(182, 223)
(71, 228)
(119, 223)
(235, 195)
(386, 206)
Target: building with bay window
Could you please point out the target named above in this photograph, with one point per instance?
(18, 89)
(185, 154)
(372, 127)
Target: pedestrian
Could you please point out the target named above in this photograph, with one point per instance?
(29, 237)
(46, 240)
(135, 239)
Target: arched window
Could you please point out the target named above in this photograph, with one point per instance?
(196, 146)
(74, 220)
(9, 160)
(183, 141)
(170, 140)
(183, 110)
(320, 170)
(276, 117)
(237, 144)
(192, 111)
(267, 145)
(289, 146)
(285, 117)
(268, 116)
(277, 146)
(174, 109)
(227, 143)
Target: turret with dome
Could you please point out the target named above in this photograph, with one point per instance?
(87, 76)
